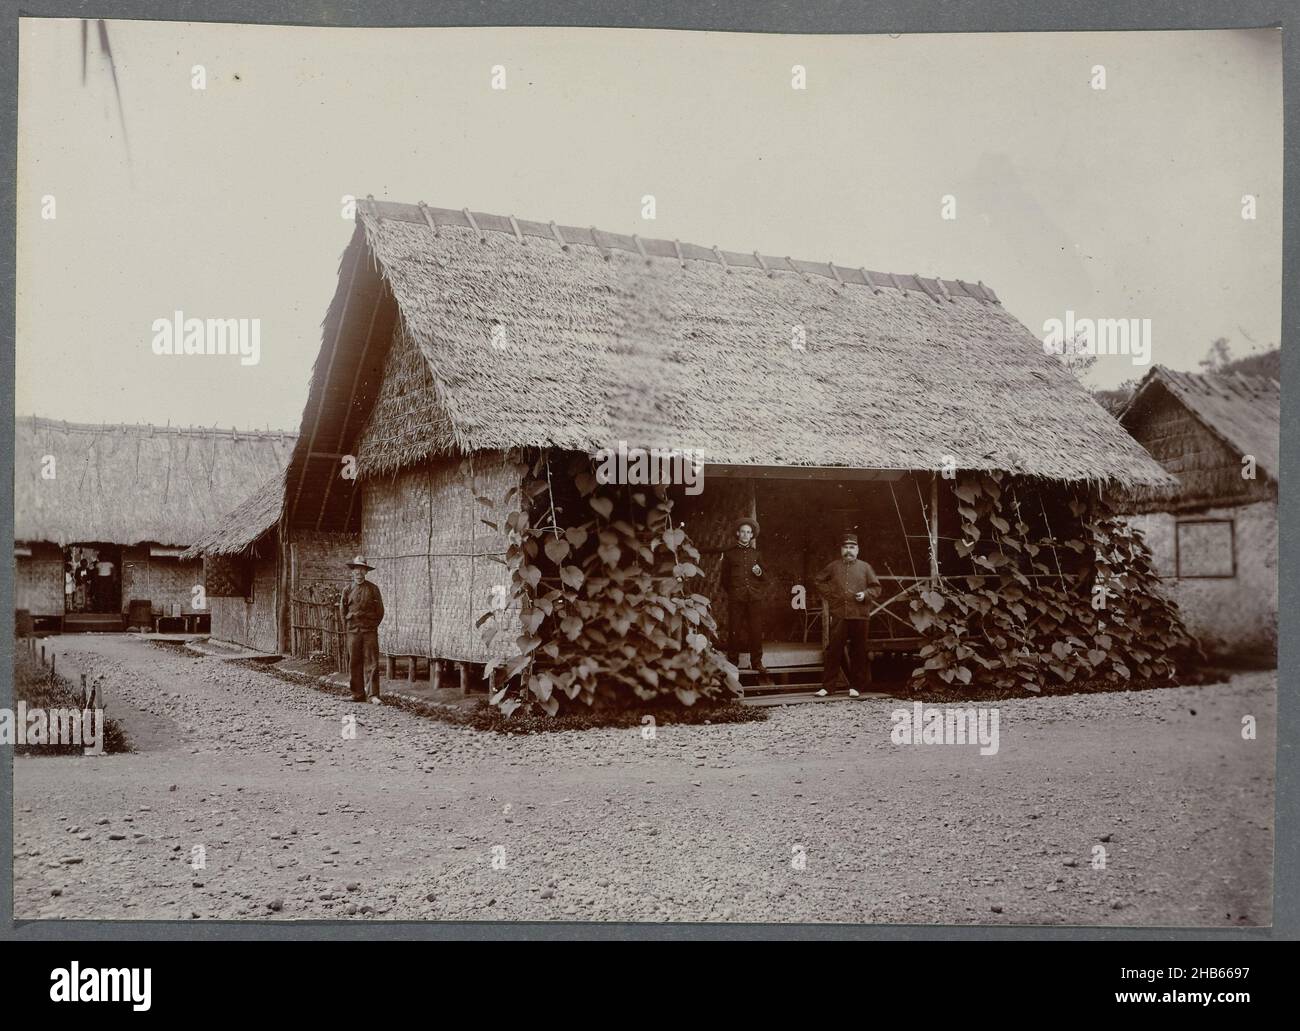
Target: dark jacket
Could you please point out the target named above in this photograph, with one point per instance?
(362, 606)
(738, 581)
(841, 580)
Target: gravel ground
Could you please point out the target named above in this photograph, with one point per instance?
(812, 816)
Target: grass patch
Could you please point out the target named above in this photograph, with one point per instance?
(34, 685)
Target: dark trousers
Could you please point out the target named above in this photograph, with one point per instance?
(847, 635)
(745, 631)
(363, 663)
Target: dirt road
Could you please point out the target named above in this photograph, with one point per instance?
(814, 815)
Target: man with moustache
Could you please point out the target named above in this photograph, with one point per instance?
(848, 586)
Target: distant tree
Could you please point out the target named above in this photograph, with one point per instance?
(1077, 356)
(1217, 357)
(1115, 400)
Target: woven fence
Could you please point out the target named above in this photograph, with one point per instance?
(317, 629)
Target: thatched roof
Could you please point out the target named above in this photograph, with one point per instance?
(244, 526)
(544, 335)
(1243, 412)
(133, 483)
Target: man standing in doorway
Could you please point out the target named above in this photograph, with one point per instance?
(742, 584)
(848, 585)
(362, 609)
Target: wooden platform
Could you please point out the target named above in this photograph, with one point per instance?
(93, 622)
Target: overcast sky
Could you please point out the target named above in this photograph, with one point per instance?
(1123, 202)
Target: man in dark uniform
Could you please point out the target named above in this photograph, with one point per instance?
(848, 585)
(362, 610)
(742, 585)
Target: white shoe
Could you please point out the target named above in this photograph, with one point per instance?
(822, 693)
(853, 693)
(374, 700)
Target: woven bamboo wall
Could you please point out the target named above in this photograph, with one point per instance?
(321, 557)
(263, 623)
(1233, 617)
(421, 528)
(249, 623)
(166, 582)
(38, 580)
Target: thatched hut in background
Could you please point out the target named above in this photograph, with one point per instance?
(133, 495)
(1216, 539)
(255, 566)
(822, 397)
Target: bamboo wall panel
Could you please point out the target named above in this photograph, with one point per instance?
(168, 583)
(422, 530)
(322, 556)
(1233, 617)
(38, 581)
(249, 622)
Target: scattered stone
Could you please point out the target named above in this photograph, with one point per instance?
(996, 909)
(548, 893)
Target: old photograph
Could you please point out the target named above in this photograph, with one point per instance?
(640, 476)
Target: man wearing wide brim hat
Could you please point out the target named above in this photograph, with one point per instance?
(848, 586)
(362, 610)
(743, 586)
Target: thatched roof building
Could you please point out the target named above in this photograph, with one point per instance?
(568, 337)
(246, 525)
(1199, 427)
(132, 497)
(458, 333)
(1215, 539)
(127, 484)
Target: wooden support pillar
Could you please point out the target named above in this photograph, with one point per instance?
(934, 528)
(464, 677)
(410, 673)
(390, 667)
(435, 673)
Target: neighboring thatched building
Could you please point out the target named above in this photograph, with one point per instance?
(252, 561)
(1216, 539)
(822, 398)
(132, 498)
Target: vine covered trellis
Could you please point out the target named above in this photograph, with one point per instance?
(1023, 619)
(605, 613)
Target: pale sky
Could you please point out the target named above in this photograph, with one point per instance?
(1116, 203)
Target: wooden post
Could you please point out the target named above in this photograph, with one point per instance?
(410, 673)
(84, 697)
(435, 673)
(390, 667)
(51, 663)
(464, 677)
(934, 528)
(42, 655)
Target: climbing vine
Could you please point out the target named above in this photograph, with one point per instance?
(1024, 618)
(602, 607)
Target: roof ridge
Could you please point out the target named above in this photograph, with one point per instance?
(480, 223)
(103, 427)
